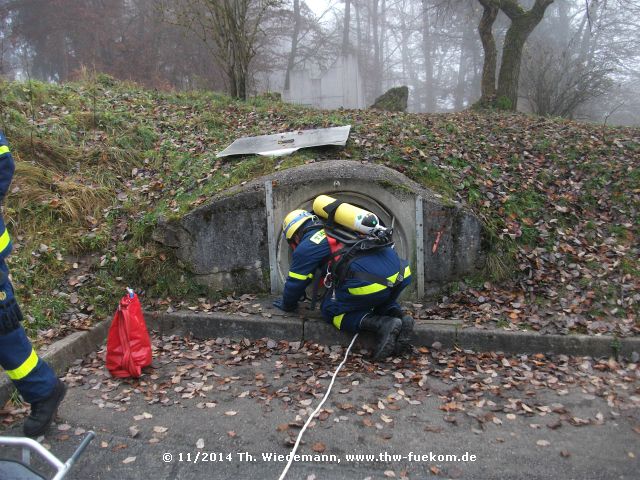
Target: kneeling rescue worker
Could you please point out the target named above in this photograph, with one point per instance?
(34, 379)
(363, 275)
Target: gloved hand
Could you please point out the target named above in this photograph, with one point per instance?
(278, 304)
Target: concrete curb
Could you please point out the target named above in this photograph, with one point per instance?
(213, 325)
(61, 354)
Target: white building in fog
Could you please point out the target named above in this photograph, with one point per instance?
(340, 86)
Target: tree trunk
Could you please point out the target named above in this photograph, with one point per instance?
(488, 83)
(465, 49)
(428, 58)
(294, 43)
(376, 50)
(346, 47)
(383, 44)
(404, 46)
(233, 85)
(358, 29)
(522, 24)
(242, 83)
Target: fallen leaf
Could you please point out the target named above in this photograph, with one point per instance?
(433, 429)
(319, 447)
(129, 460)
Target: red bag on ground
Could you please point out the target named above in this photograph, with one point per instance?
(128, 343)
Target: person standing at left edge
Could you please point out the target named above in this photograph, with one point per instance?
(34, 379)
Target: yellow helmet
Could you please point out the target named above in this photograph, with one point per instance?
(293, 221)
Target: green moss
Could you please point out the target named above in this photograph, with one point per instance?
(503, 103)
(394, 187)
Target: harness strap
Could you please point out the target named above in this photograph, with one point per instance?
(335, 247)
(371, 278)
(331, 211)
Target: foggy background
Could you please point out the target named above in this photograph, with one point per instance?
(581, 61)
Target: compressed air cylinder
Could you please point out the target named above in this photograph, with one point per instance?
(347, 215)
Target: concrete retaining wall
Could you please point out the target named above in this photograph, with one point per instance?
(225, 243)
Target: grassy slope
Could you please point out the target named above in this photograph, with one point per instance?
(98, 162)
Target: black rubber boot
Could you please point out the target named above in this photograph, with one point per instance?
(386, 330)
(42, 412)
(403, 343)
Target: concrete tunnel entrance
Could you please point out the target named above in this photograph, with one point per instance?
(387, 216)
(234, 242)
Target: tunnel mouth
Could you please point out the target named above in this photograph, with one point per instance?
(385, 215)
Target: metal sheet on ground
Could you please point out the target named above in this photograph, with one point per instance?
(285, 143)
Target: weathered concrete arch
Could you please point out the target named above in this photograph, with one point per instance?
(235, 243)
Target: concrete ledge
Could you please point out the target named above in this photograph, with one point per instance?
(294, 328)
(61, 354)
(212, 325)
(526, 342)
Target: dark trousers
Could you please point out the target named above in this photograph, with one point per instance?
(33, 378)
(346, 311)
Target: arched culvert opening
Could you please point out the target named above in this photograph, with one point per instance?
(393, 207)
(386, 215)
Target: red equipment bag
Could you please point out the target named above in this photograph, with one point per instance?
(128, 343)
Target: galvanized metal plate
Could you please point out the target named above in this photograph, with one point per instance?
(288, 142)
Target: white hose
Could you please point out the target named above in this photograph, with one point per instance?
(315, 412)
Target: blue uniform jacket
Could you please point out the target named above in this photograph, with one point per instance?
(314, 251)
(7, 168)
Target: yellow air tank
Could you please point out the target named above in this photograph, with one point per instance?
(347, 215)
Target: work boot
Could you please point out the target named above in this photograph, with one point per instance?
(403, 343)
(386, 330)
(42, 412)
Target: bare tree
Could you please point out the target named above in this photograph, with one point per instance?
(557, 82)
(377, 59)
(294, 42)
(346, 45)
(427, 52)
(229, 28)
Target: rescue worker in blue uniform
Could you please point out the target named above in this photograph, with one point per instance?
(34, 379)
(355, 304)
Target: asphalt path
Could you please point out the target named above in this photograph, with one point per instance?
(231, 410)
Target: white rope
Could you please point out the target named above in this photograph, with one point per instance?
(315, 412)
